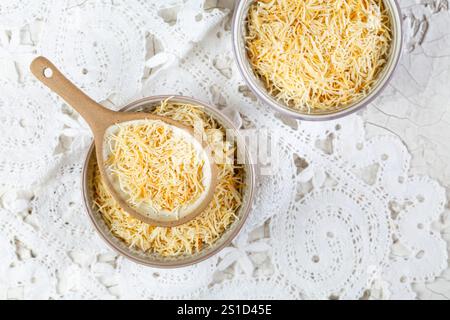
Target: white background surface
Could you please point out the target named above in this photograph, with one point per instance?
(416, 105)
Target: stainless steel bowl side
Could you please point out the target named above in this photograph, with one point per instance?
(240, 54)
(154, 260)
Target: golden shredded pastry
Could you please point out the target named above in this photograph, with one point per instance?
(208, 227)
(155, 167)
(318, 55)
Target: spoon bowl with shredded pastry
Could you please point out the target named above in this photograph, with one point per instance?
(156, 168)
(316, 59)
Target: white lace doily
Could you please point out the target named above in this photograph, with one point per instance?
(18, 13)
(342, 211)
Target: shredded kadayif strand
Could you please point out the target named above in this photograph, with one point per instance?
(208, 227)
(318, 55)
(154, 166)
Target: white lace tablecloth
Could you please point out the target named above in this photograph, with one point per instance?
(353, 208)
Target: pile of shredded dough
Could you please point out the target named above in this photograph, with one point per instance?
(318, 55)
(155, 167)
(208, 227)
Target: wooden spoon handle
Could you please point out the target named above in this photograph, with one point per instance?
(94, 114)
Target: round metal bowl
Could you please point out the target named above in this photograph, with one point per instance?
(239, 32)
(155, 260)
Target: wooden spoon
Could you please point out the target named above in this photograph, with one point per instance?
(100, 119)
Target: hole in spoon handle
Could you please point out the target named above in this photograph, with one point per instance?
(44, 70)
(49, 75)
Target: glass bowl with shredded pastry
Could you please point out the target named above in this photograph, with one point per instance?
(317, 59)
(197, 239)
